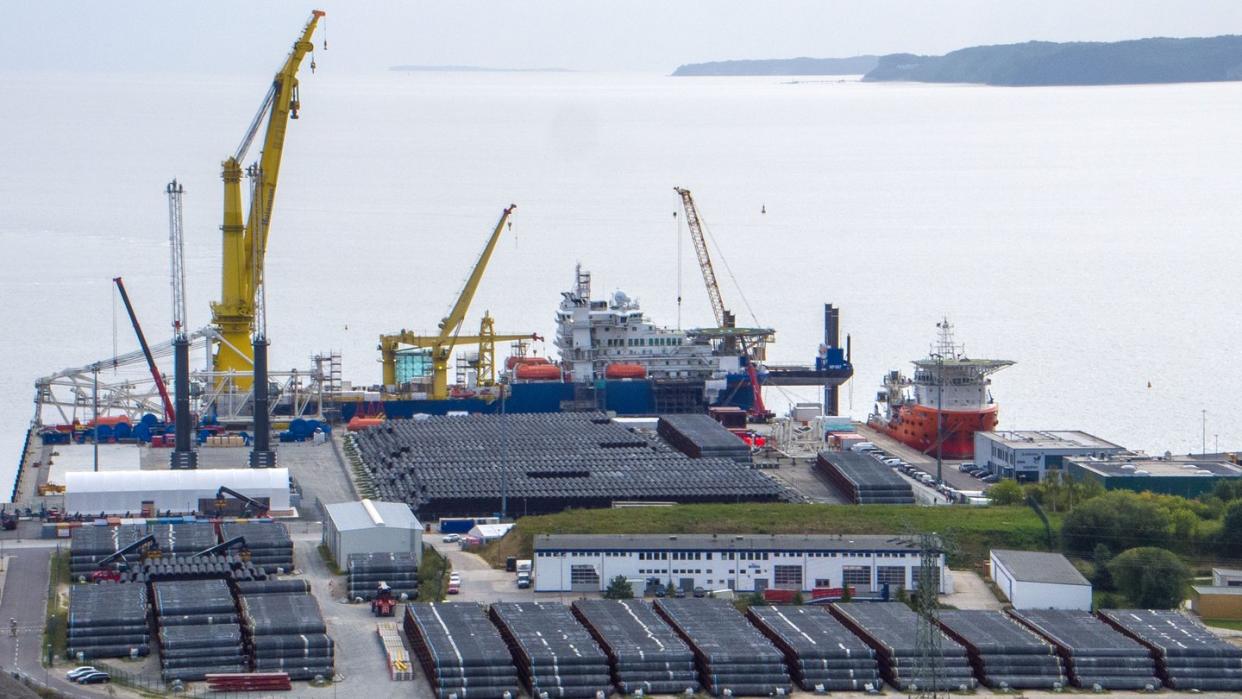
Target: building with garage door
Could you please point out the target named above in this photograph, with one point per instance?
(1038, 580)
(1028, 455)
(746, 563)
(371, 526)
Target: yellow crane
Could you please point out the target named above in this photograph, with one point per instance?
(442, 344)
(245, 240)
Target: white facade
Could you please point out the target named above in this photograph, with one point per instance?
(1226, 577)
(179, 492)
(745, 563)
(1035, 580)
(490, 532)
(371, 527)
(1028, 455)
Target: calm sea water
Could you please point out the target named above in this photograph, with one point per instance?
(1090, 234)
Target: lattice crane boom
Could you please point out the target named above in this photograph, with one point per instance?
(705, 260)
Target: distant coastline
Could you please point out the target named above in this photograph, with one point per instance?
(854, 65)
(1140, 61)
(474, 69)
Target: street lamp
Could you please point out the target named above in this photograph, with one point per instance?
(939, 416)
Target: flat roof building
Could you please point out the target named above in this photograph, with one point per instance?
(1187, 476)
(371, 526)
(1039, 580)
(746, 563)
(1027, 455)
(180, 492)
(1211, 602)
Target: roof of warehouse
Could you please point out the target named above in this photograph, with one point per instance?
(740, 542)
(1216, 589)
(1049, 439)
(1121, 466)
(1039, 567)
(347, 516)
(188, 479)
(493, 531)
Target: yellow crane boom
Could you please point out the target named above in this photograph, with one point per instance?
(245, 238)
(442, 345)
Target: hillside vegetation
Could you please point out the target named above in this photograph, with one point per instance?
(855, 65)
(974, 530)
(1157, 60)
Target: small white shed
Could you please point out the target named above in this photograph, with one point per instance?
(1039, 580)
(371, 526)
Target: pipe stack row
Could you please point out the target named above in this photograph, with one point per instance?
(108, 621)
(646, 655)
(823, 654)
(270, 546)
(461, 652)
(1006, 654)
(699, 436)
(286, 633)
(397, 570)
(731, 655)
(1098, 654)
(1188, 655)
(198, 629)
(555, 656)
(891, 628)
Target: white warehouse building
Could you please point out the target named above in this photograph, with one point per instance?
(1038, 580)
(180, 492)
(371, 526)
(1027, 455)
(587, 562)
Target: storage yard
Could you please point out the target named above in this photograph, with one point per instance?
(553, 652)
(1005, 654)
(458, 647)
(864, 480)
(466, 465)
(821, 652)
(1188, 655)
(891, 628)
(646, 655)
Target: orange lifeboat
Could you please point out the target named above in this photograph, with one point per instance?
(538, 372)
(625, 371)
(516, 361)
(362, 423)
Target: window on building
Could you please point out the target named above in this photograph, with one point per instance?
(823, 582)
(916, 572)
(856, 576)
(583, 575)
(789, 577)
(891, 575)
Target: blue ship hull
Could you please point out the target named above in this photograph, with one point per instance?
(625, 397)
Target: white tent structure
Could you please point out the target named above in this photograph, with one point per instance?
(118, 492)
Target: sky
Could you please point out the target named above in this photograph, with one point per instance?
(232, 36)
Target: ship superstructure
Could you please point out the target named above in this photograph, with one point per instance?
(947, 383)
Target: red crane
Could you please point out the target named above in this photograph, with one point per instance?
(169, 414)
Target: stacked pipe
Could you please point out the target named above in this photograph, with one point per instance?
(399, 667)
(230, 567)
(822, 653)
(1005, 654)
(108, 621)
(554, 654)
(731, 655)
(397, 570)
(296, 586)
(1097, 654)
(646, 655)
(865, 480)
(462, 654)
(270, 546)
(286, 633)
(183, 538)
(198, 629)
(699, 436)
(90, 544)
(891, 628)
(1188, 655)
(461, 466)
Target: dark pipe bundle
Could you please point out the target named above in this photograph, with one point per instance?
(460, 651)
(1188, 655)
(1096, 652)
(645, 653)
(823, 654)
(397, 570)
(449, 466)
(865, 480)
(108, 621)
(891, 628)
(554, 654)
(286, 633)
(270, 546)
(199, 633)
(1005, 653)
(731, 655)
(699, 436)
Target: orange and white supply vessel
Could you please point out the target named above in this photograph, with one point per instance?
(948, 383)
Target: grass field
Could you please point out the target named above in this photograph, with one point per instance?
(972, 529)
(1224, 623)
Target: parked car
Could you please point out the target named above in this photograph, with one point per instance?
(77, 672)
(523, 581)
(700, 592)
(454, 588)
(660, 591)
(451, 538)
(862, 446)
(991, 478)
(96, 677)
(679, 592)
(454, 578)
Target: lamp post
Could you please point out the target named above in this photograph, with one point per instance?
(1203, 447)
(939, 416)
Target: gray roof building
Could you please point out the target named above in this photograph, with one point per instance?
(1039, 567)
(371, 526)
(724, 542)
